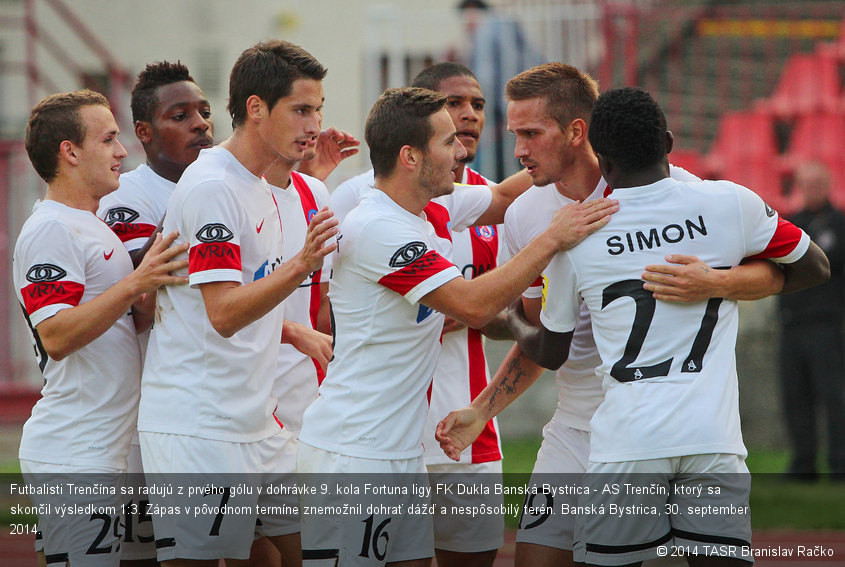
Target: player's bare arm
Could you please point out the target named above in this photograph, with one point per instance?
(476, 302)
(504, 194)
(460, 428)
(686, 279)
(333, 146)
(813, 268)
(309, 342)
(232, 306)
(71, 329)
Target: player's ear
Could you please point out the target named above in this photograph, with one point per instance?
(255, 108)
(670, 142)
(579, 132)
(605, 167)
(409, 157)
(69, 152)
(143, 131)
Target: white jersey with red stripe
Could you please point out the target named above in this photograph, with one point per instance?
(579, 390)
(475, 250)
(135, 209)
(195, 381)
(373, 400)
(668, 370)
(66, 257)
(298, 375)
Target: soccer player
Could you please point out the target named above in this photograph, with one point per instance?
(85, 305)
(206, 401)
(389, 288)
(459, 541)
(549, 111)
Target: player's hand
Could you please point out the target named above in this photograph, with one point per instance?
(450, 326)
(458, 430)
(686, 280)
(322, 227)
(158, 264)
(576, 221)
(333, 146)
(309, 342)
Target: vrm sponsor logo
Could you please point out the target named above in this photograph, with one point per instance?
(45, 273)
(408, 254)
(214, 232)
(122, 215)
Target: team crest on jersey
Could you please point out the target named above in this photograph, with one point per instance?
(45, 273)
(408, 254)
(311, 214)
(214, 232)
(122, 215)
(486, 233)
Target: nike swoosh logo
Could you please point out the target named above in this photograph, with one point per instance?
(260, 226)
(108, 256)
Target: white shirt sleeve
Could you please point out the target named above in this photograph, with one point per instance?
(49, 271)
(401, 260)
(560, 315)
(212, 223)
(466, 204)
(767, 235)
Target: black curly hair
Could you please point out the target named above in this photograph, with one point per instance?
(628, 128)
(153, 76)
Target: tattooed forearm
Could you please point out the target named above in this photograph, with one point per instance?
(514, 372)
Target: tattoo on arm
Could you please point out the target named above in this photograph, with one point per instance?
(507, 385)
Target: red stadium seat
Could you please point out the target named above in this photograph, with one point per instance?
(808, 83)
(742, 136)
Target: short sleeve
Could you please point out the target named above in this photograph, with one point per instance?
(49, 271)
(402, 260)
(212, 223)
(466, 204)
(561, 303)
(767, 236)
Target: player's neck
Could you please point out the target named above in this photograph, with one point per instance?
(278, 175)
(250, 150)
(581, 183)
(166, 169)
(70, 194)
(638, 178)
(403, 192)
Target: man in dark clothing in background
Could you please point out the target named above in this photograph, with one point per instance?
(812, 355)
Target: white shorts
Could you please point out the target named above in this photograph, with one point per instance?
(218, 513)
(561, 463)
(80, 529)
(363, 512)
(464, 532)
(138, 539)
(696, 504)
